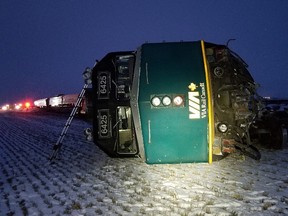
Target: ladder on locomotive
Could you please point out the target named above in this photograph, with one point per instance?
(58, 144)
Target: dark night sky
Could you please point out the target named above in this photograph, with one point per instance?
(46, 44)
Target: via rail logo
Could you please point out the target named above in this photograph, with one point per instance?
(197, 101)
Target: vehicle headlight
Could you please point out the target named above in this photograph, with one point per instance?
(222, 127)
(166, 101)
(87, 75)
(156, 101)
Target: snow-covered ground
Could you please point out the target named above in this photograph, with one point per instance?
(84, 181)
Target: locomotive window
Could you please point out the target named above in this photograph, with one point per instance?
(124, 73)
(126, 142)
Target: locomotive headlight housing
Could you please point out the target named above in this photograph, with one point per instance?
(222, 127)
(87, 75)
(156, 101)
(166, 101)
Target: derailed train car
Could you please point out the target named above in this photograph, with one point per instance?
(174, 103)
(61, 100)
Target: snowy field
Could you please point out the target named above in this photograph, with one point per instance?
(84, 181)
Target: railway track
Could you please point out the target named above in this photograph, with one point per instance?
(85, 181)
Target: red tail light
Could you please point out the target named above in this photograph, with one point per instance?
(27, 104)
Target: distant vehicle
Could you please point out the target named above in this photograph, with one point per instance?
(5, 107)
(25, 106)
(56, 101)
(178, 102)
(60, 100)
(63, 101)
(41, 102)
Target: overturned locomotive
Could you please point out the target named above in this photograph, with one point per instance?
(174, 102)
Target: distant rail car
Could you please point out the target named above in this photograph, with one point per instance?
(64, 101)
(69, 99)
(174, 103)
(55, 101)
(60, 100)
(41, 102)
